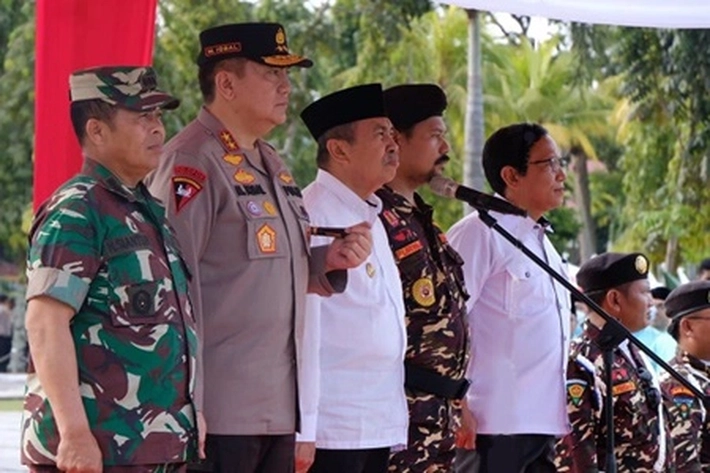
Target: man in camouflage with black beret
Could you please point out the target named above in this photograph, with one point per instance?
(619, 284)
(688, 307)
(432, 282)
(111, 332)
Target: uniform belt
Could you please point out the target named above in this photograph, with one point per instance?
(421, 379)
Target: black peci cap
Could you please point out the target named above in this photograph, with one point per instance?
(345, 106)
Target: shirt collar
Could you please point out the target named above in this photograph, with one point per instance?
(368, 208)
(109, 181)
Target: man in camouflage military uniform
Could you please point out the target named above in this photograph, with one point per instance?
(619, 284)
(112, 337)
(688, 307)
(432, 283)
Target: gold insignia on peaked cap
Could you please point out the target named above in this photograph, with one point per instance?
(280, 37)
(641, 264)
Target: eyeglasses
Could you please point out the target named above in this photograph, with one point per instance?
(653, 396)
(556, 163)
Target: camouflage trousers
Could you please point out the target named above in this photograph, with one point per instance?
(433, 422)
(166, 468)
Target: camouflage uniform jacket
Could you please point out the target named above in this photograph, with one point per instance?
(432, 282)
(690, 425)
(638, 440)
(107, 251)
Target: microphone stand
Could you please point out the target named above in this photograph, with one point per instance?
(610, 337)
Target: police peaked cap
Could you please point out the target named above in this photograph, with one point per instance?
(410, 104)
(610, 270)
(261, 42)
(345, 106)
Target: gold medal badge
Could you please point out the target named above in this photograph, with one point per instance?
(423, 292)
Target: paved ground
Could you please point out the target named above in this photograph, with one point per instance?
(11, 387)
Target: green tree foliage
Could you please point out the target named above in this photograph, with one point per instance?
(16, 123)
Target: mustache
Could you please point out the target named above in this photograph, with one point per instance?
(443, 159)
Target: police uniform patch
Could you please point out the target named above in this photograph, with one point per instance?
(408, 250)
(244, 177)
(423, 292)
(370, 269)
(391, 218)
(266, 239)
(253, 208)
(228, 140)
(235, 159)
(285, 177)
(187, 183)
(575, 390)
(269, 208)
(623, 388)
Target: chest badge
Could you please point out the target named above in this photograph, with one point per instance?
(285, 177)
(269, 208)
(253, 208)
(423, 292)
(266, 239)
(244, 177)
(370, 269)
(235, 159)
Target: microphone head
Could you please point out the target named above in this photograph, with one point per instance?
(443, 186)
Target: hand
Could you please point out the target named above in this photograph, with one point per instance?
(79, 453)
(305, 454)
(466, 435)
(201, 435)
(350, 251)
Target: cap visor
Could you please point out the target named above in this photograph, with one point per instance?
(286, 60)
(155, 100)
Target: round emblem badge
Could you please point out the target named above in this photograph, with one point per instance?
(253, 208)
(423, 292)
(141, 302)
(641, 264)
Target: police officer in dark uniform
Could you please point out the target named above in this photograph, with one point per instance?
(434, 293)
(619, 284)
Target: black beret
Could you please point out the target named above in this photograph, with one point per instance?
(410, 104)
(345, 106)
(610, 270)
(261, 42)
(688, 298)
(660, 292)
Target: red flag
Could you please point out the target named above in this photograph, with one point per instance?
(71, 35)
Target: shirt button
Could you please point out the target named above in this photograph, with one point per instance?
(527, 274)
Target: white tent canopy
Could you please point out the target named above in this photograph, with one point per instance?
(653, 13)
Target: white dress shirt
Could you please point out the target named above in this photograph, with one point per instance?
(519, 320)
(355, 385)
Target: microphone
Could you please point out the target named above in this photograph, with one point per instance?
(445, 187)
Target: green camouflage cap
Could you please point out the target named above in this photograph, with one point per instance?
(134, 88)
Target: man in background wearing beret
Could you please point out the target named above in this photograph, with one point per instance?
(358, 407)
(241, 223)
(688, 307)
(618, 283)
(111, 331)
(432, 282)
(519, 316)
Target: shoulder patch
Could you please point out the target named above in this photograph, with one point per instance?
(575, 390)
(187, 183)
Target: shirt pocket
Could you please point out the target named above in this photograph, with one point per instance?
(304, 221)
(266, 234)
(520, 288)
(139, 289)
